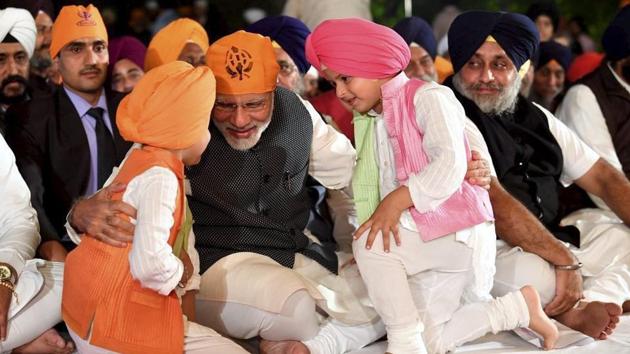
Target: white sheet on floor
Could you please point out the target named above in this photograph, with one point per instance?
(508, 342)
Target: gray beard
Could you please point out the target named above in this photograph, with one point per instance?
(504, 104)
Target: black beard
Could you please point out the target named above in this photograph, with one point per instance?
(40, 63)
(11, 100)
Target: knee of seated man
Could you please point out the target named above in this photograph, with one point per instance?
(296, 321)
(520, 268)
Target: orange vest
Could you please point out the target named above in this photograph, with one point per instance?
(99, 292)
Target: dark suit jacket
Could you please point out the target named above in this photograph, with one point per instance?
(53, 155)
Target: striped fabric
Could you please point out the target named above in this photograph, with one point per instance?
(365, 181)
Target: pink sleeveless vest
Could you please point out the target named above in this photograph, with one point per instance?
(468, 206)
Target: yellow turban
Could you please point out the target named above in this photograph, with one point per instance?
(243, 63)
(168, 43)
(76, 22)
(169, 108)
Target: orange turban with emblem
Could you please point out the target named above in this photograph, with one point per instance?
(169, 108)
(168, 43)
(243, 63)
(76, 22)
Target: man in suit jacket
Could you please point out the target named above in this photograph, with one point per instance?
(67, 142)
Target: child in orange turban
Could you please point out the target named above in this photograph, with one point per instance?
(126, 299)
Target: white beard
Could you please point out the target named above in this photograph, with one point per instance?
(504, 103)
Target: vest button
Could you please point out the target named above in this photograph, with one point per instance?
(266, 178)
(292, 232)
(265, 212)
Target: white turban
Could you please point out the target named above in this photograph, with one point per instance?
(21, 25)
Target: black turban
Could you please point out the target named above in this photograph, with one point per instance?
(414, 29)
(548, 9)
(32, 6)
(515, 33)
(290, 33)
(616, 38)
(553, 50)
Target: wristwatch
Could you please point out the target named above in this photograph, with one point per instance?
(6, 273)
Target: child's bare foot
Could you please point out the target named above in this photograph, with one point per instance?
(49, 342)
(283, 347)
(538, 320)
(595, 319)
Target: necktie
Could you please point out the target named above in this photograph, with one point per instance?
(106, 151)
(365, 180)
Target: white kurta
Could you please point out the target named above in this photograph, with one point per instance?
(605, 241)
(39, 283)
(580, 111)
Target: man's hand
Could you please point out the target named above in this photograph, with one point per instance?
(5, 303)
(478, 172)
(99, 217)
(386, 218)
(568, 292)
(52, 251)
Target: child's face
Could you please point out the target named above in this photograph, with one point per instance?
(360, 93)
(192, 155)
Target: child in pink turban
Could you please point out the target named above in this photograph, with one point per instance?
(432, 289)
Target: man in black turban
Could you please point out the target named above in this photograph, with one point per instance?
(533, 153)
(597, 108)
(288, 35)
(419, 36)
(551, 66)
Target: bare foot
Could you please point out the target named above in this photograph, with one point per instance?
(626, 306)
(49, 342)
(538, 320)
(595, 319)
(283, 347)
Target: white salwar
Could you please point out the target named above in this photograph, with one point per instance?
(37, 306)
(604, 239)
(434, 295)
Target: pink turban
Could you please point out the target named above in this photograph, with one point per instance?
(357, 47)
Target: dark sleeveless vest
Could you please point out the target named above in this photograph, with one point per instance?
(614, 101)
(527, 159)
(256, 200)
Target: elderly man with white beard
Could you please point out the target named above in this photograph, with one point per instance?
(580, 270)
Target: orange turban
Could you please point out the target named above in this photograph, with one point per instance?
(243, 63)
(168, 43)
(76, 22)
(169, 108)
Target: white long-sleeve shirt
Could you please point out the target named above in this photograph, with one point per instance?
(577, 157)
(332, 155)
(151, 260)
(19, 229)
(441, 117)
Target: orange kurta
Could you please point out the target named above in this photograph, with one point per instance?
(99, 292)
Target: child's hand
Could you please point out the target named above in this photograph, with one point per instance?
(188, 268)
(386, 218)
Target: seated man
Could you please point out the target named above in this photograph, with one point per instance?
(598, 106)
(30, 289)
(126, 62)
(183, 39)
(419, 36)
(288, 35)
(67, 142)
(533, 153)
(17, 44)
(550, 74)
